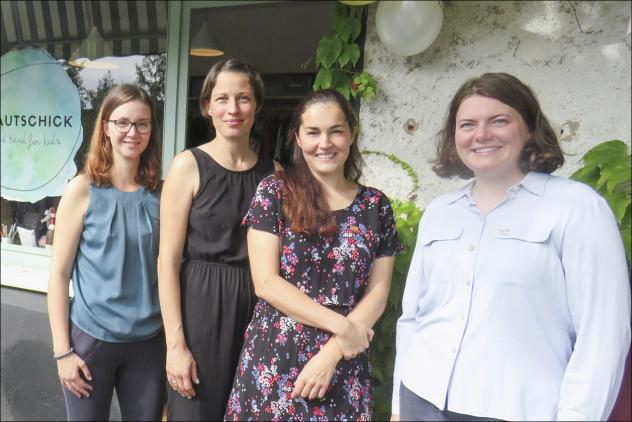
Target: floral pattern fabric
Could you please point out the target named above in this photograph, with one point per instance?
(334, 272)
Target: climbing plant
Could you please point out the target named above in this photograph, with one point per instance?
(403, 164)
(338, 54)
(407, 217)
(607, 170)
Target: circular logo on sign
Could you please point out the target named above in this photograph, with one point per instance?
(40, 125)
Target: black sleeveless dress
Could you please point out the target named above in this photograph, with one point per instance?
(217, 294)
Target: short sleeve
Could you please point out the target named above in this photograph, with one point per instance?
(263, 213)
(389, 242)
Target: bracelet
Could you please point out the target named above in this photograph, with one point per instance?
(63, 355)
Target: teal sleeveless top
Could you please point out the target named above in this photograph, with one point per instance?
(114, 277)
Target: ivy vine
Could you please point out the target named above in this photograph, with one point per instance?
(404, 165)
(407, 217)
(338, 54)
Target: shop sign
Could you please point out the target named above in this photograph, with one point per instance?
(40, 125)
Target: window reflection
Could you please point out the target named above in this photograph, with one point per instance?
(134, 39)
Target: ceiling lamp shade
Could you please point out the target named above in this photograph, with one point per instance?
(204, 44)
(92, 48)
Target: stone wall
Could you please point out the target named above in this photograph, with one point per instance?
(575, 55)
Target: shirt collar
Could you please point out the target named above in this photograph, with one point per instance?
(535, 182)
(532, 182)
(465, 191)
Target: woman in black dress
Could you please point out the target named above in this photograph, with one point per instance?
(322, 250)
(206, 294)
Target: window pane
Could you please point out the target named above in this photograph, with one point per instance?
(130, 48)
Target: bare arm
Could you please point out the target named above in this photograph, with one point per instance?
(175, 203)
(70, 214)
(263, 251)
(372, 305)
(315, 377)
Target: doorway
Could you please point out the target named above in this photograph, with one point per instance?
(280, 40)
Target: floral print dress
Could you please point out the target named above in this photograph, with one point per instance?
(334, 272)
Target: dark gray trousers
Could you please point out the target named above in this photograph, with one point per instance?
(136, 370)
(414, 408)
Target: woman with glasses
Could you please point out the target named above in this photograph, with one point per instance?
(110, 336)
(206, 294)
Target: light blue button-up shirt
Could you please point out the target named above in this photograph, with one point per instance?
(522, 314)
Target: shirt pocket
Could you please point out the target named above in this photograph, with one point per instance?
(439, 254)
(523, 256)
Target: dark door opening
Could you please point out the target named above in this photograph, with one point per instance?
(278, 39)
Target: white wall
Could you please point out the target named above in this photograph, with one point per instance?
(575, 56)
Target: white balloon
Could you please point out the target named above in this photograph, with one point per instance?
(407, 28)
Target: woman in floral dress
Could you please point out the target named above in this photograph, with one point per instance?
(321, 249)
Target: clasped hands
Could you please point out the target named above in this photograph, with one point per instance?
(313, 381)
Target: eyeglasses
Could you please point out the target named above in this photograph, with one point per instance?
(124, 125)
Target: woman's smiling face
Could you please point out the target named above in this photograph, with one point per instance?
(325, 138)
(489, 137)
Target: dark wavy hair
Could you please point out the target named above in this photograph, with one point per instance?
(304, 205)
(99, 157)
(542, 153)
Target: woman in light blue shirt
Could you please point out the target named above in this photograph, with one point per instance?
(517, 302)
(110, 336)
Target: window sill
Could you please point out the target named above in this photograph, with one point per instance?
(25, 267)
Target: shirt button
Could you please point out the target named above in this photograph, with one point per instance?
(454, 349)
(468, 282)
(470, 248)
(462, 317)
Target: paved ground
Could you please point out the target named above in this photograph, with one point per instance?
(30, 387)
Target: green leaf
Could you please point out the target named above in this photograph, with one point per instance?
(344, 58)
(626, 222)
(619, 202)
(612, 174)
(368, 93)
(339, 79)
(607, 169)
(328, 51)
(353, 51)
(588, 175)
(627, 239)
(356, 28)
(344, 27)
(606, 152)
(377, 373)
(323, 79)
(615, 175)
(344, 90)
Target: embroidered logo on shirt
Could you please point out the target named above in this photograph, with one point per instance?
(504, 232)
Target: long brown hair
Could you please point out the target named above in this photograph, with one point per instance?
(542, 153)
(304, 205)
(99, 158)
